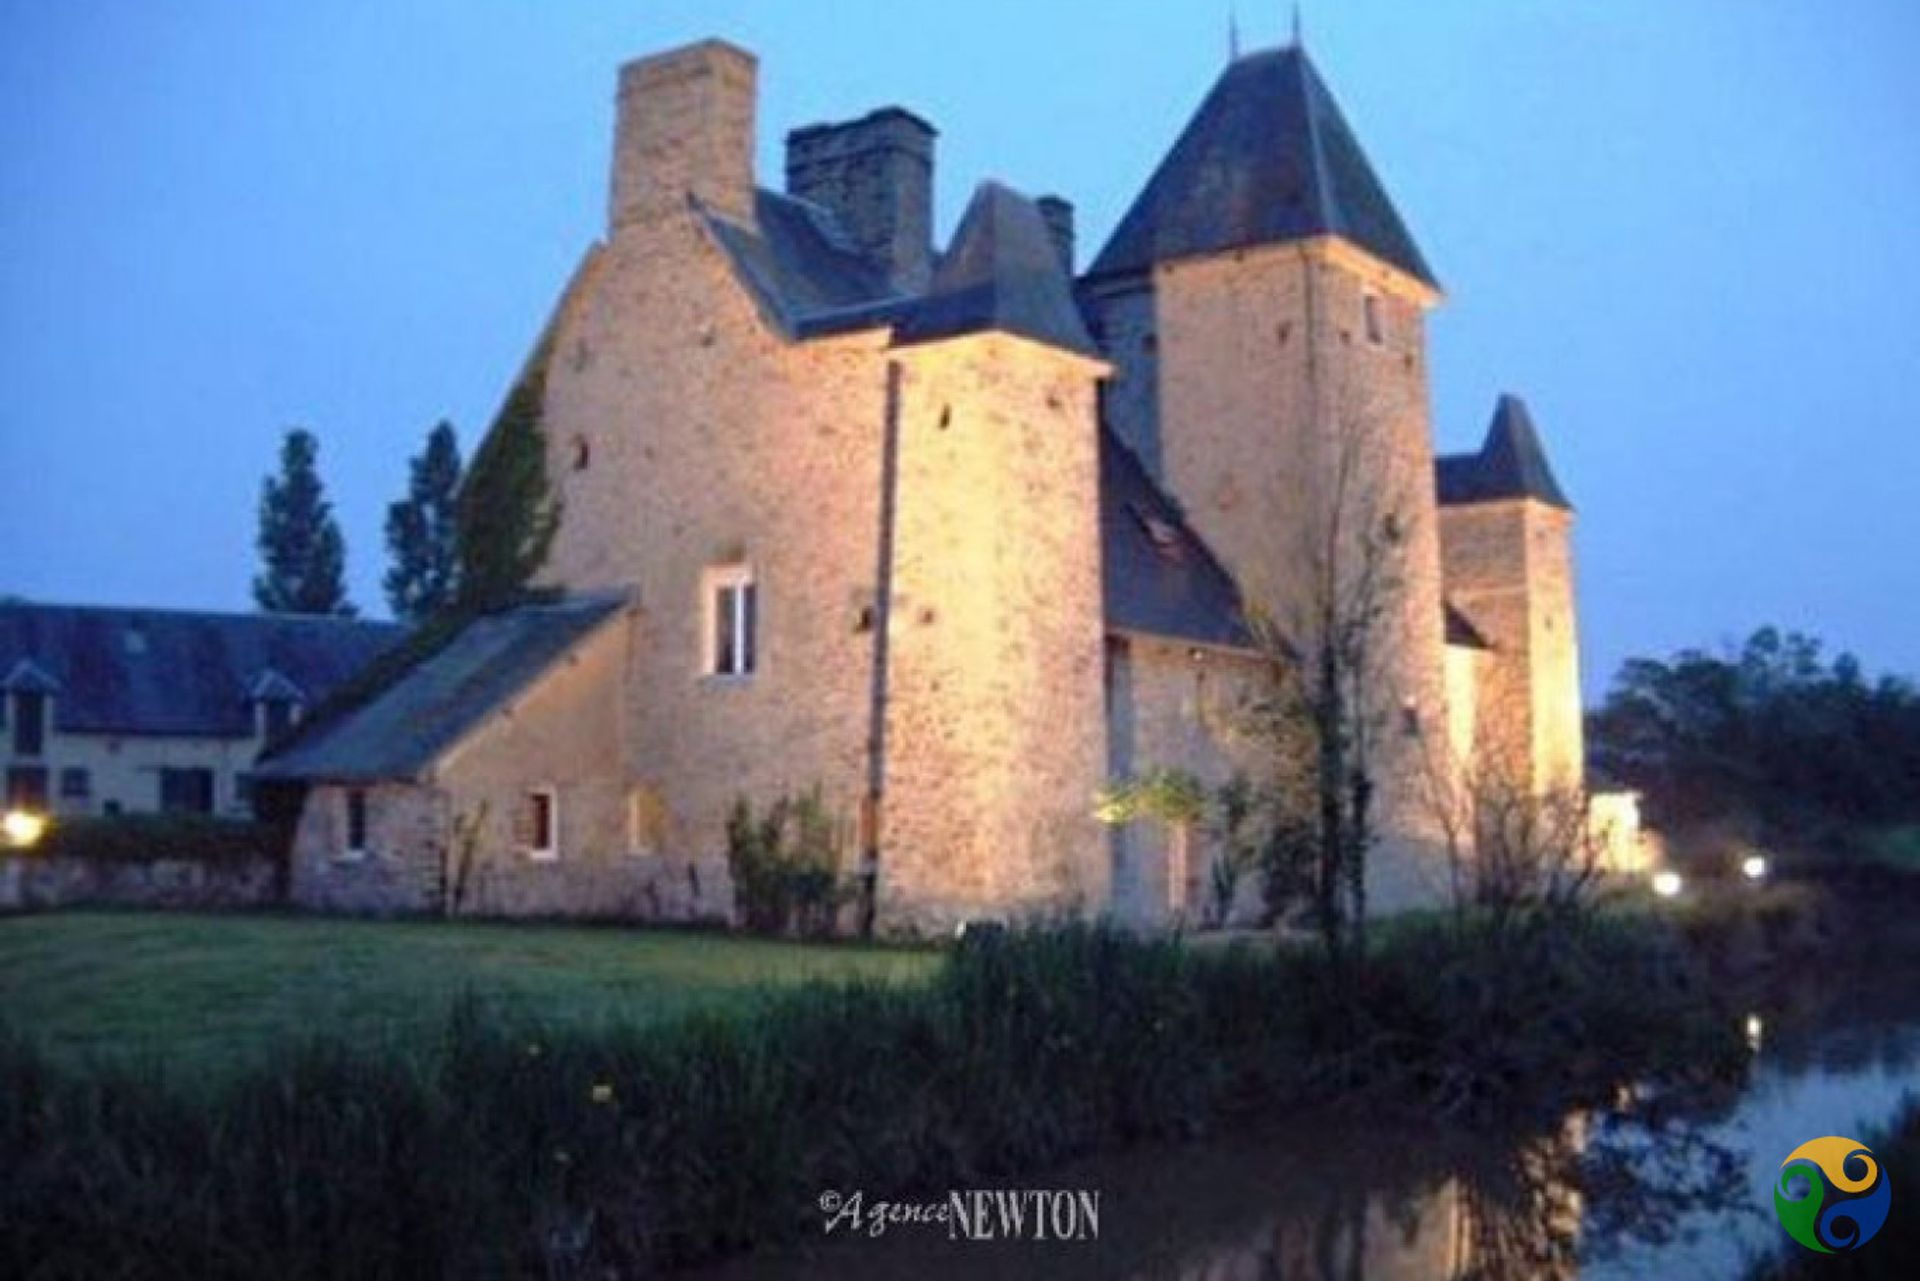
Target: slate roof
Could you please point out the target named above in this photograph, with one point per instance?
(151, 671)
(1511, 463)
(1157, 576)
(1001, 272)
(1268, 158)
(800, 267)
(404, 728)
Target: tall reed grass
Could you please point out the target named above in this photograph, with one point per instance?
(509, 1149)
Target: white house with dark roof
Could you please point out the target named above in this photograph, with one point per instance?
(107, 710)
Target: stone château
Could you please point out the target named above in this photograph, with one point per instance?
(958, 537)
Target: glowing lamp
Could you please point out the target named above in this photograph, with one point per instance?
(1754, 867)
(1667, 884)
(23, 828)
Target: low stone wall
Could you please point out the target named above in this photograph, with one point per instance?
(31, 882)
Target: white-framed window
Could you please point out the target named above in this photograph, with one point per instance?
(354, 824)
(1373, 313)
(539, 824)
(732, 621)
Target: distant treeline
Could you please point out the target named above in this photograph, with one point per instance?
(1772, 731)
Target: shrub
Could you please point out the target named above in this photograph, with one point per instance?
(786, 865)
(145, 837)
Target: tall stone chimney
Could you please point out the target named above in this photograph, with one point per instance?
(876, 175)
(684, 127)
(1057, 213)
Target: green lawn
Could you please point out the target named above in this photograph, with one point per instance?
(203, 991)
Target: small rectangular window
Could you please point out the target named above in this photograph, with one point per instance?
(540, 823)
(733, 617)
(356, 823)
(76, 784)
(186, 791)
(1375, 319)
(646, 822)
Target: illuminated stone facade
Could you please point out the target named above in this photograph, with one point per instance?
(1003, 525)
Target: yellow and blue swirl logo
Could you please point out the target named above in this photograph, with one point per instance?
(1831, 1195)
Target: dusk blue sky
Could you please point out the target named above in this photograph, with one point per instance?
(1687, 231)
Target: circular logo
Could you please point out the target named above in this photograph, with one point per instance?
(1831, 1195)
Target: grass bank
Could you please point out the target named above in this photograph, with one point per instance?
(208, 993)
(505, 1147)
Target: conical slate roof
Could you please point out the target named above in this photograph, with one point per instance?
(1268, 158)
(1511, 463)
(1001, 272)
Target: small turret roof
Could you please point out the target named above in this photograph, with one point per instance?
(1001, 272)
(1268, 158)
(1512, 463)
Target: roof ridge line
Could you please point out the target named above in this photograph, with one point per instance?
(1327, 210)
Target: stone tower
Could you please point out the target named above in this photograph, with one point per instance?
(1264, 306)
(900, 455)
(1505, 533)
(995, 735)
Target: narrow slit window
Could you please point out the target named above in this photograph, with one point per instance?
(541, 824)
(1376, 322)
(733, 607)
(356, 823)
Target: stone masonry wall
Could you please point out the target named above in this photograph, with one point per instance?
(400, 870)
(1176, 706)
(715, 442)
(566, 733)
(1272, 392)
(38, 881)
(995, 733)
(1509, 565)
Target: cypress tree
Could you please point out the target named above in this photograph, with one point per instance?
(302, 553)
(423, 531)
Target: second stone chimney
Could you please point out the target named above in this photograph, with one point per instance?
(876, 175)
(684, 127)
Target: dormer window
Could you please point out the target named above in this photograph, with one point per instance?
(1163, 534)
(277, 702)
(29, 688)
(276, 717)
(29, 723)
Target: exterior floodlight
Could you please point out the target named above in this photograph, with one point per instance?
(1667, 884)
(23, 828)
(1754, 867)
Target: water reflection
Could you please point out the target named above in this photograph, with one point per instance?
(1658, 1183)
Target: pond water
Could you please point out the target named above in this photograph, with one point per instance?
(1651, 1187)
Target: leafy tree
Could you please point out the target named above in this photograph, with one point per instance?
(1770, 730)
(422, 531)
(1328, 643)
(507, 511)
(303, 556)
